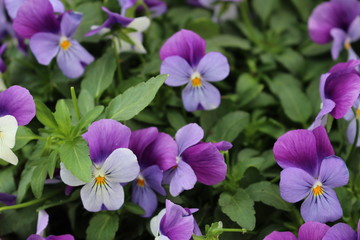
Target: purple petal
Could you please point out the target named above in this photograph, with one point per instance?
(322, 208)
(351, 132)
(180, 178)
(44, 46)
(353, 32)
(207, 162)
(43, 220)
(57, 6)
(156, 7)
(125, 4)
(185, 44)
(313, 231)
(339, 37)
(35, 237)
(333, 172)
(323, 144)
(153, 177)
(188, 136)
(297, 148)
(104, 136)
(178, 69)
(205, 97)
(214, 67)
(280, 236)
(7, 199)
(223, 145)
(162, 151)
(69, 23)
(35, 16)
(176, 224)
(321, 118)
(18, 102)
(358, 227)
(345, 66)
(61, 237)
(340, 231)
(140, 140)
(145, 197)
(12, 6)
(295, 184)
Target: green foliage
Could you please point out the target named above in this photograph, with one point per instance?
(103, 226)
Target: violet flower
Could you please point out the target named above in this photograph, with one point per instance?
(311, 171)
(5, 26)
(175, 223)
(342, 231)
(154, 151)
(156, 7)
(113, 164)
(43, 220)
(7, 199)
(2, 64)
(351, 130)
(195, 161)
(337, 21)
(17, 108)
(12, 6)
(186, 62)
(307, 231)
(339, 90)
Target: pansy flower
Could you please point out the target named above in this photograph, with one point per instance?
(342, 231)
(154, 151)
(5, 26)
(43, 220)
(156, 7)
(12, 6)
(351, 130)
(223, 9)
(186, 62)
(175, 223)
(339, 90)
(337, 21)
(113, 164)
(311, 171)
(2, 64)
(195, 161)
(17, 108)
(7, 199)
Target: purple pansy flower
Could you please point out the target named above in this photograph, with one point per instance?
(307, 231)
(342, 231)
(7, 199)
(113, 164)
(175, 223)
(5, 26)
(43, 220)
(339, 90)
(17, 108)
(195, 161)
(2, 64)
(351, 130)
(156, 7)
(337, 21)
(186, 62)
(12, 6)
(153, 150)
(311, 171)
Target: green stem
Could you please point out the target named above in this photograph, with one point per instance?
(242, 230)
(75, 103)
(353, 147)
(118, 65)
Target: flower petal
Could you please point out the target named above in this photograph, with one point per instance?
(153, 177)
(185, 44)
(321, 118)
(333, 172)
(214, 67)
(44, 46)
(104, 136)
(207, 162)
(340, 231)
(223, 145)
(323, 145)
(178, 69)
(18, 102)
(339, 37)
(140, 24)
(57, 6)
(7, 155)
(351, 132)
(155, 222)
(140, 140)
(297, 148)
(353, 31)
(351, 64)
(323, 208)
(12, 7)
(8, 129)
(68, 178)
(69, 23)
(205, 97)
(313, 231)
(188, 136)
(121, 166)
(145, 197)
(42, 222)
(295, 184)
(7, 199)
(280, 236)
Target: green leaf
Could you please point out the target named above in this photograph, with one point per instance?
(24, 183)
(229, 41)
(304, 7)
(92, 15)
(99, 75)
(7, 182)
(264, 8)
(268, 194)
(239, 208)
(75, 156)
(135, 99)
(44, 115)
(88, 118)
(23, 136)
(134, 208)
(229, 127)
(204, 27)
(247, 88)
(38, 179)
(86, 101)
(292, 60)
(176, 119)
(62, 117)
(103, 226)
(51, 163)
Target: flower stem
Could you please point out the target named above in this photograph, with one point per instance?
(353, 147)
(242, 230)
(117, 59)
(75, 103)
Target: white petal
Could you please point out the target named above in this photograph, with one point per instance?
(8, 128)
(155, 223)
(91, 197)
(121, 166)
(113, 195)
(140, 24)
(68, 178)
(137, 38)
(7, 155)
(43, 220)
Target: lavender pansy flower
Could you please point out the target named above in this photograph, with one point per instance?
(43, 220)
(337, 21)
(195, 161)
(153, 150)
(175, 223)
(186, 62)
(156, 7)
(307, 231)
(311, 171)
(12, 6)
(2, 64)
(342, 231)
(339, 90)
(71, 56)
(17, 108)
(113, 164)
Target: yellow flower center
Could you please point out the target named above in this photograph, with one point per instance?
(317, 190)
(347, 45)
(65, 44)
(140, 182)
(196, 82)
(100, 180)
(357, 115)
